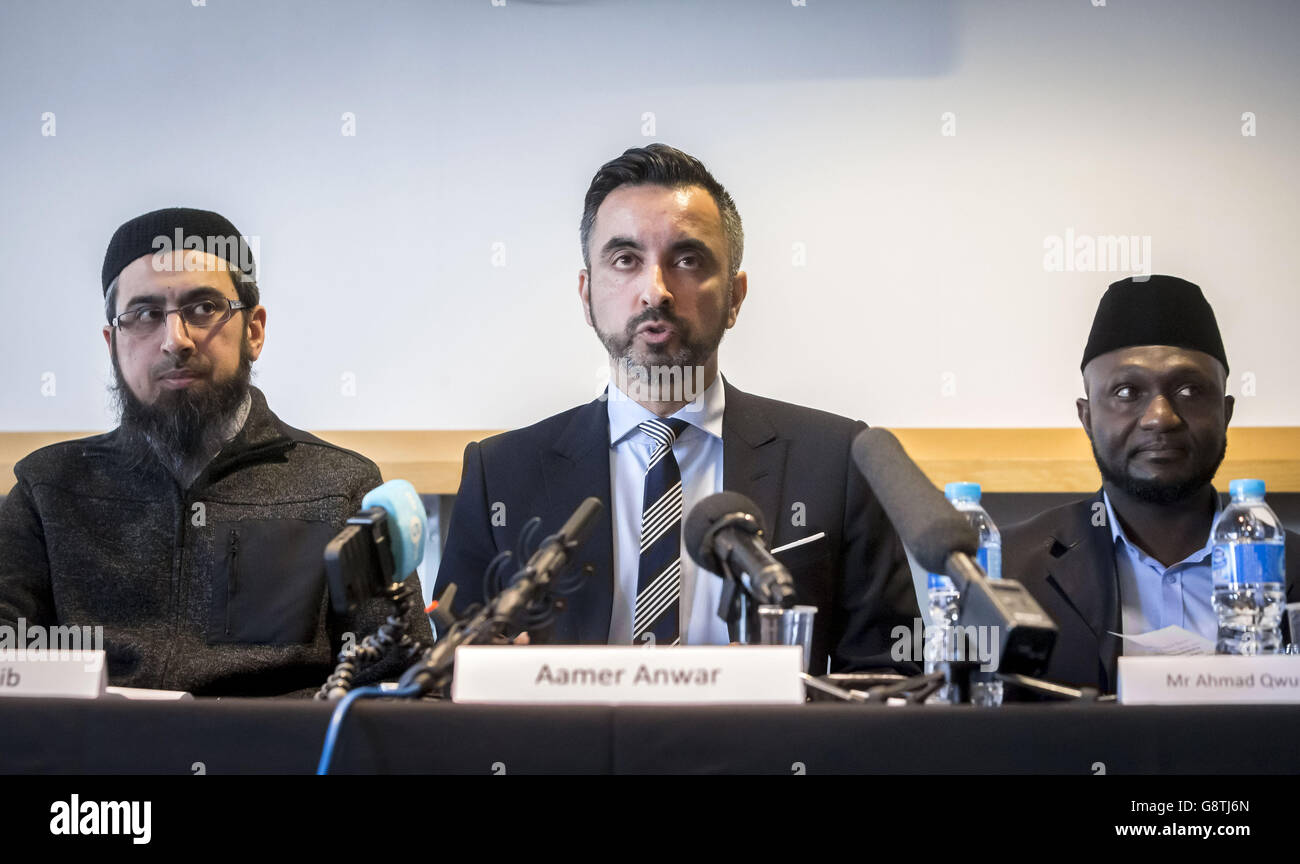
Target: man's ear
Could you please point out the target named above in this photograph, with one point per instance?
(1228, 404)
(739, 289)
(257, 330)
(584, 294)
(1084, 409)
(108, 338)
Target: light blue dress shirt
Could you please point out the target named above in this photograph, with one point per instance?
(698, 451)
(1153, 596)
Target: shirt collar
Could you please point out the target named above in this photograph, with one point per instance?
(1118, 536)
(704, 412)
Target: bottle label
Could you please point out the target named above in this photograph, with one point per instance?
(1248, 563)
(990, 561)
(940, 583)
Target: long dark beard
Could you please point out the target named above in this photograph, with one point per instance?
(1154, 492)
(181, 426)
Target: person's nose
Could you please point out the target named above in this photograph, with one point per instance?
(655, 293)
(1160, 414)
(176, 337)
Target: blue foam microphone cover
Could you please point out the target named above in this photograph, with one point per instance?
(407, 523)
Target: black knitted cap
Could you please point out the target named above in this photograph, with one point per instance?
(1162, 310)
(161, 230)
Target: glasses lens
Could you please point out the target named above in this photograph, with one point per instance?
(141, 320)
(204, 313)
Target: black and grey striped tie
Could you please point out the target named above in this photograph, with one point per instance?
(658, 583)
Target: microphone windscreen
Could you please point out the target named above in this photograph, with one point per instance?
(925, 520)
(407, 523)
(703, 516)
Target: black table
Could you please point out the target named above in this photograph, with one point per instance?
(285, 736)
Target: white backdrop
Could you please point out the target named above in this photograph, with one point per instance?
(896, 268)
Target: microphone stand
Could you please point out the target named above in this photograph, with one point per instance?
(983, 602)
(391, 636)
(736, 606)
(515, 605)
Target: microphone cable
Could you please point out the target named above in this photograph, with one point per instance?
(341, 710)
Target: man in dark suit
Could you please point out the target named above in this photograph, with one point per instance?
(662, 243)
(1135, 557)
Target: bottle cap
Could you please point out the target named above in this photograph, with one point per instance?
(1246, 488)
(969, 491)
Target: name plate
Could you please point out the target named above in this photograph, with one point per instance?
(1211, 679)
(628, 675)
(64, 674)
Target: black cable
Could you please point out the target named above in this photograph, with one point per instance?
(358, 657)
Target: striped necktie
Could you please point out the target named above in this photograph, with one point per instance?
(658, 583)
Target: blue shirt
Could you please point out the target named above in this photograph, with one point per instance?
(1153, 596)
(698, 451)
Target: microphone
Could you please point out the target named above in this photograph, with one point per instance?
(382, 544)
(372, 557)
(547, 561)
(434, 669)
(943, 542)
(725, 532)
(928, 524)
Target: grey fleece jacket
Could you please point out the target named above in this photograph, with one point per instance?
(218, 589)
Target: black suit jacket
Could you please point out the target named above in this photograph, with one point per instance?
(1066, 558)
(779, 455)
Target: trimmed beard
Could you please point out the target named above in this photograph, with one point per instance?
(662, 376)
(181, 426)
(1154, 492)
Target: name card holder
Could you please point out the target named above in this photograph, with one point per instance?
(1210, 679)
(628, 675)
(53, 674)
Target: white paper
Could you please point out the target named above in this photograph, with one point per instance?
(145, 693)
(1171, 640)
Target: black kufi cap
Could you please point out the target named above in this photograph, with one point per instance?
(161, 230)
(1157, 310)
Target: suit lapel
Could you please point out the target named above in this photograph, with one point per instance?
(576, 467)
(753, 458)
(1083, 571)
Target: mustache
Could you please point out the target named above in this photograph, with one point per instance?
(1167, 442)
(655, 316)
(195, 366)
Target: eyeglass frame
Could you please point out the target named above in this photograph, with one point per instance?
(233, 307)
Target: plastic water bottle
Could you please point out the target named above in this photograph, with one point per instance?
(939, 637)
(966, 498)
(1249, 562)
(943, 596)
(985, 689)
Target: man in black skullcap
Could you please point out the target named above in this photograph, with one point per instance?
(1135, 557)
(194, 532)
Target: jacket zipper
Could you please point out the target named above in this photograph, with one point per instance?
(232, 573)
(177, 586)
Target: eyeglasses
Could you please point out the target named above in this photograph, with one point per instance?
(201, 314)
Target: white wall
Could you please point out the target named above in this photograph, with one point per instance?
(479, 124)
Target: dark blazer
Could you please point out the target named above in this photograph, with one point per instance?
(779, 455)
(1066, 559)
